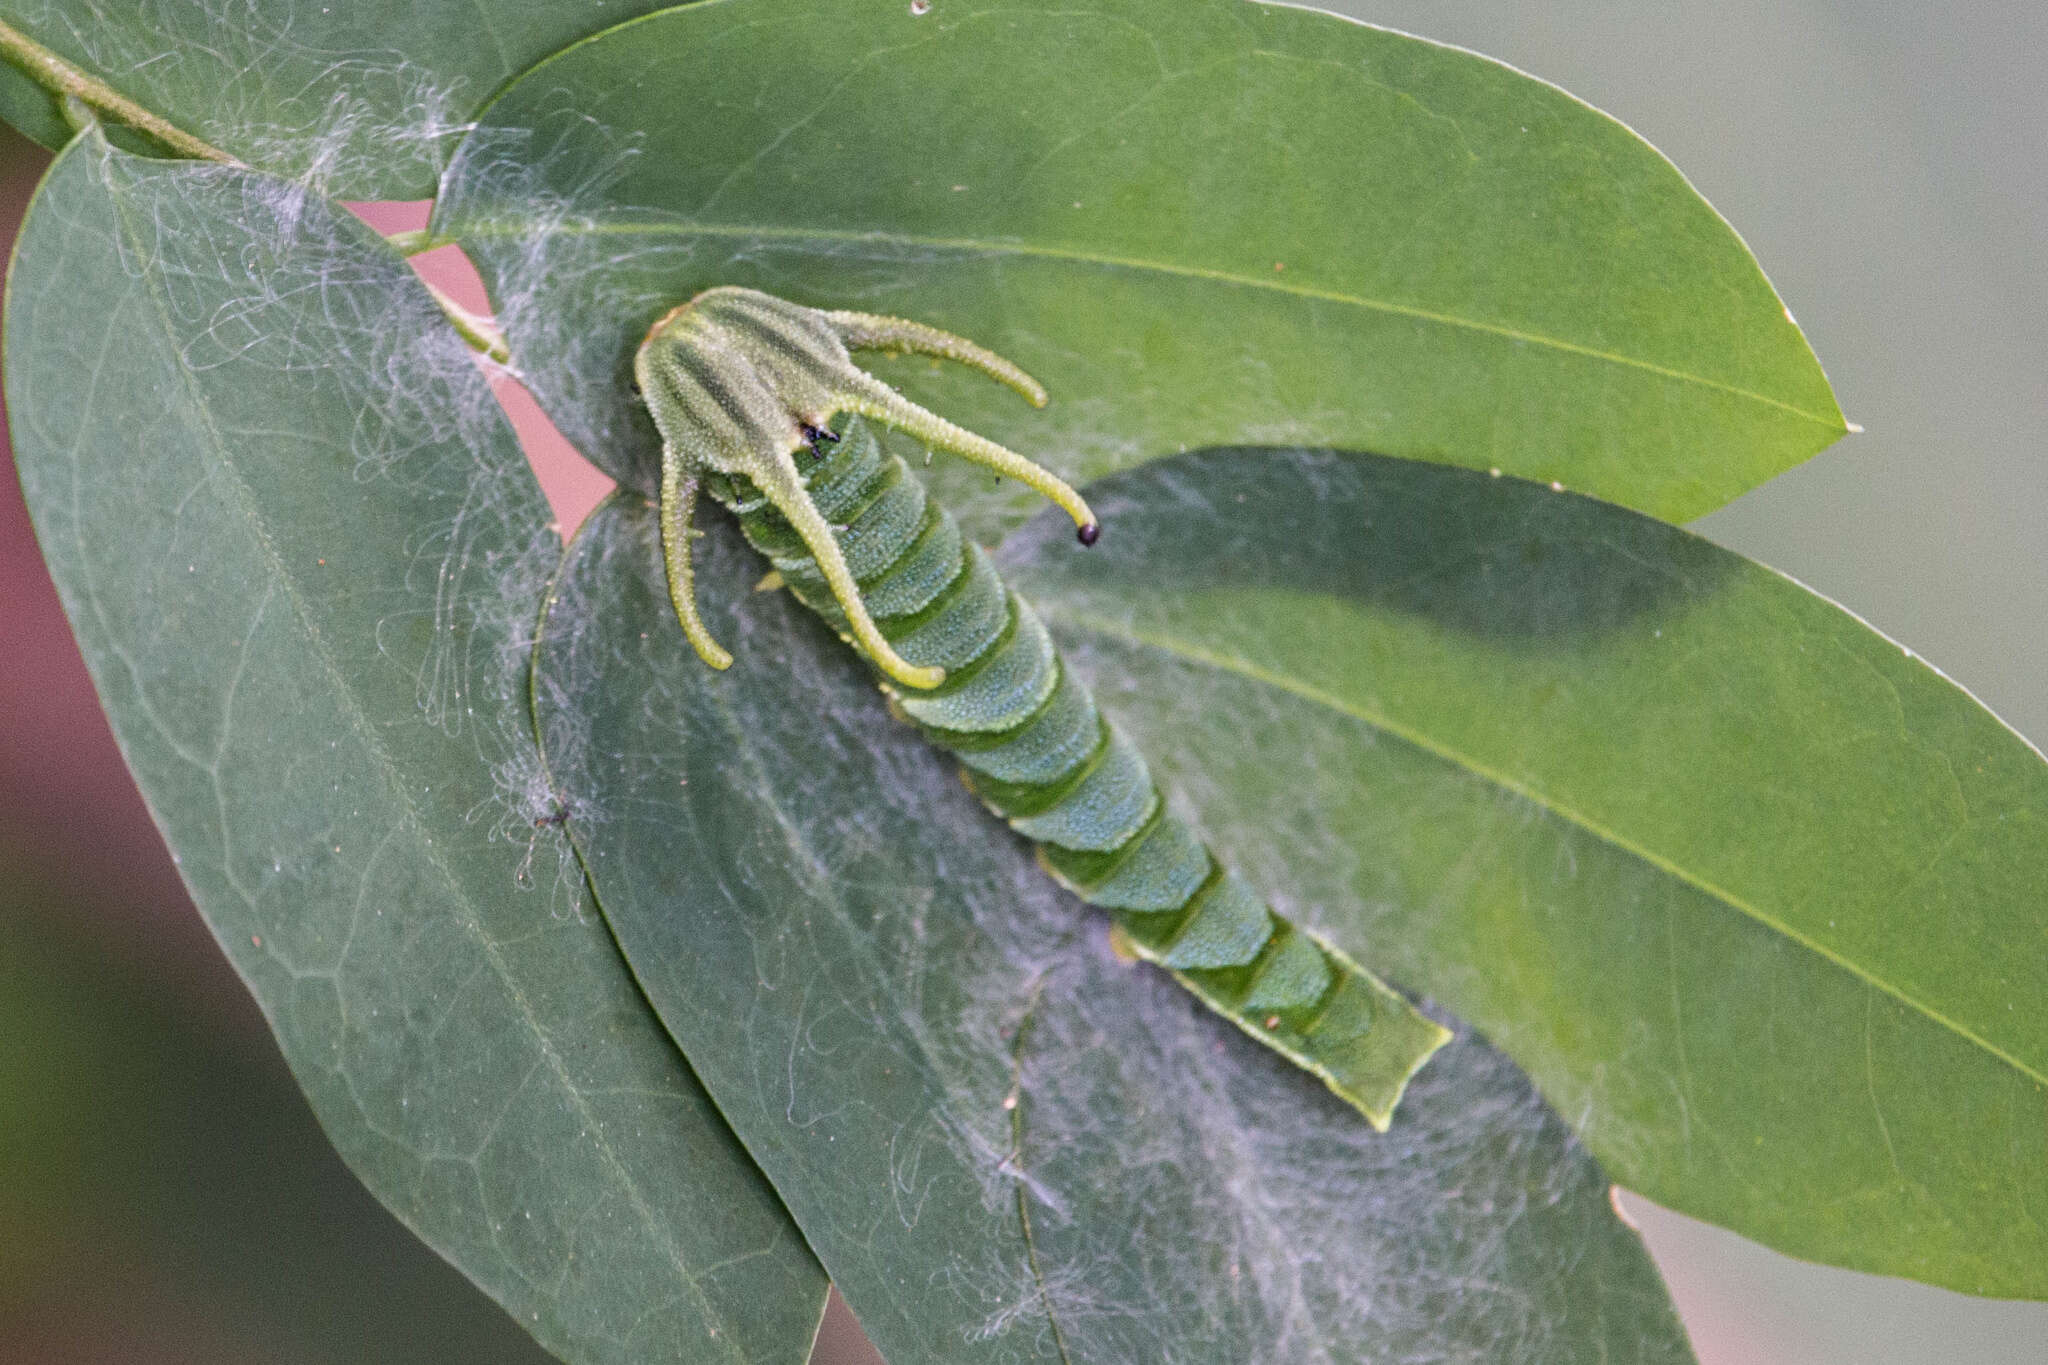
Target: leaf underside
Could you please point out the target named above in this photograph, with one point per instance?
(303, 555)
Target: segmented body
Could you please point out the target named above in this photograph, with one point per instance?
(1040, 754)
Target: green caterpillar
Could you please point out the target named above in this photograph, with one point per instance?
(740, 384)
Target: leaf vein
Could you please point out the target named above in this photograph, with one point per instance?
(486, 229)
(469, 918)
(1379, 720)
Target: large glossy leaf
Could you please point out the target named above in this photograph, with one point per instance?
(1760, 899)
(304, 555)
(1197, 221)
(366, 97)
(1006, 1144)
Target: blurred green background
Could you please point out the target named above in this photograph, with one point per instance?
(164, 1193)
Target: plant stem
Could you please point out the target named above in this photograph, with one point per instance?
(60, 77)
(53, 73)
(480, 332)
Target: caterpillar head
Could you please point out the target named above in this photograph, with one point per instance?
(739, 381)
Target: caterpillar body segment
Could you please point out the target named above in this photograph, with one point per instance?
(968, 662)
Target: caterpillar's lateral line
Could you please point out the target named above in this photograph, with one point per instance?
(740, 384)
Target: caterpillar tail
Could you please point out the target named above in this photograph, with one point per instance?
(1039, 753)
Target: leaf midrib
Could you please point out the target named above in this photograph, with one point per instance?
(500, 229)
(1169, 644)
(387, 766)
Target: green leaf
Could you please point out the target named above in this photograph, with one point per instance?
(1006, 1144)
(1754, 894)
(364, 97)
(304, 555)
(32, 109)
(1197, 221)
